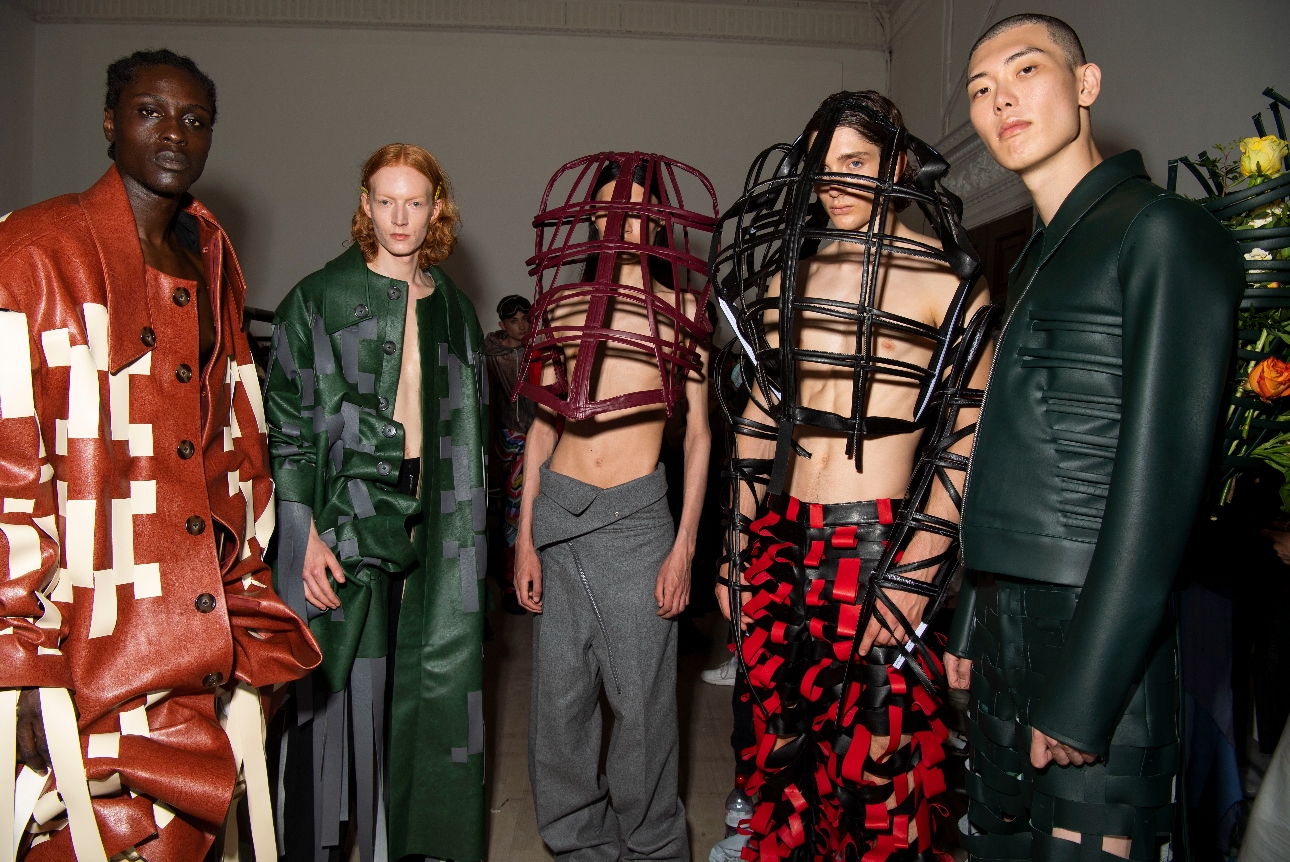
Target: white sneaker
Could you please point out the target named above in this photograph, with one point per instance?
(728, 849)
(723, 675)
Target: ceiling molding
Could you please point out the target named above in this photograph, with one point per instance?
(989, 190)
(823, 23)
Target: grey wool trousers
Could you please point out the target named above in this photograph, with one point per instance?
(601, 549)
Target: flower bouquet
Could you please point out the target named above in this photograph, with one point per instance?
(1247, 188)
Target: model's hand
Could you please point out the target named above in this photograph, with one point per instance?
(723, 596)
(32, 748)
(958, 671)
(1280, 543)
(910, 604)
(1045, 749)
(528, 577)
(672, 589)
(319, 560)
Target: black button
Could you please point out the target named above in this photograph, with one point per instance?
(205, 603)
(383, 467)
(183, 373)
(195, 526)
(212, 679)
(394, 293)
(148, 337)
(389, 347)
(360, 310)
(181, 296)
(185, 449)
(389, 430)
(383, 403)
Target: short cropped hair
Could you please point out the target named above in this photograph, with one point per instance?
(442, 236)
(872, 132)
(124, 71)
(1062, 34)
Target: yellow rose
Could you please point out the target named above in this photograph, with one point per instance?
(1263, 155)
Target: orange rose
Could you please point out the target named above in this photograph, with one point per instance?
(1270, 378)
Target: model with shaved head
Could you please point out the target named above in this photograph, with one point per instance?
(1090, 458)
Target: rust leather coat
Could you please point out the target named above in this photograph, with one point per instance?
(119, 455)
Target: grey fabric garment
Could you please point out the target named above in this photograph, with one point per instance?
(601, 549)
(1267, 837)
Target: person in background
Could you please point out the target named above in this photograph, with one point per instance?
(504, 351)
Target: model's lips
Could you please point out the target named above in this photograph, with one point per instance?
(1013, 127)
(172, 161)
(399, 237)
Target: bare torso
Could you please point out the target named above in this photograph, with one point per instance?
(909, 287)
(612, 448)
(407, 399)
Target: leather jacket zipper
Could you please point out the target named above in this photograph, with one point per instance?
(967, 480)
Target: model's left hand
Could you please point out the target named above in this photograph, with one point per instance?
(672, 589)
(1044, 750)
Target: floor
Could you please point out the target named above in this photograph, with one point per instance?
(707, 762)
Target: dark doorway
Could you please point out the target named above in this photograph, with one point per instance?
(1000, 243)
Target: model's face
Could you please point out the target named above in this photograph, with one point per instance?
(1024, 98)
(516, 326)
(850, 153)
(402, 207)
(162, 130)
(631, 224)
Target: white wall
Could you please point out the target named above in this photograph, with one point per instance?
(17, 41)
(300, 109)
(1177, 76)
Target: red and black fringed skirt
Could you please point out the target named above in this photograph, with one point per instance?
(832, 793)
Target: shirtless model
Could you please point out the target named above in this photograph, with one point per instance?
(611, 577)
(841, 415)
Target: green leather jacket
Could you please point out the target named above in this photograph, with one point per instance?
(1095, 439)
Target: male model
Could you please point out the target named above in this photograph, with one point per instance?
(853, 329)
(377, 416)
(504, 350)
(137, 503)
(1091, 454)
(619, 348)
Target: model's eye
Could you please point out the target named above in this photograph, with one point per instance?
(383, 202)
(193, 122)
(1026, 70)
(416, 203)
(150, 113)
(980, 91)
(855, 164)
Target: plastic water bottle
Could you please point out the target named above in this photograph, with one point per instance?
(739, 808)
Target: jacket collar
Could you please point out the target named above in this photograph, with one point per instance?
(1095, 185)
(348, 279)
(111, 223)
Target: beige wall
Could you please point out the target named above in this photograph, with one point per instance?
(299, 110)
(17, 40)
(1178, 76)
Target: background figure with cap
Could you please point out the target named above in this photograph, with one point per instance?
(504, 350)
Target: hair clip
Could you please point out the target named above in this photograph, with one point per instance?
(364, 190)
(438, 191)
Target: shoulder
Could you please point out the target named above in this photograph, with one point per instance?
(458, 297)
(1171, 235)
(308, 292)
(56, 226)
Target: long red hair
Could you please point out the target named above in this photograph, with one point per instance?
(442, 236)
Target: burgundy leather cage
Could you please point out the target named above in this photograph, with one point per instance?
(572, 264)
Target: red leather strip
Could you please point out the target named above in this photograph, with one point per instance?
(847, 581)
(884, 512)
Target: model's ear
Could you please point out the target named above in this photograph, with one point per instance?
(365, 203)
(902, 162)
(438, 208)
(1090, 83)
(109, 126)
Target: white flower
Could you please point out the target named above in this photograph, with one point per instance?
(1258, 254)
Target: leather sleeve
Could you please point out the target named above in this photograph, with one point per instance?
(289, 402)
(960, 641)
(1181, 277)
(31, 625)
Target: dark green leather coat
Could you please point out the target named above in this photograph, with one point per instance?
(1096, 435)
